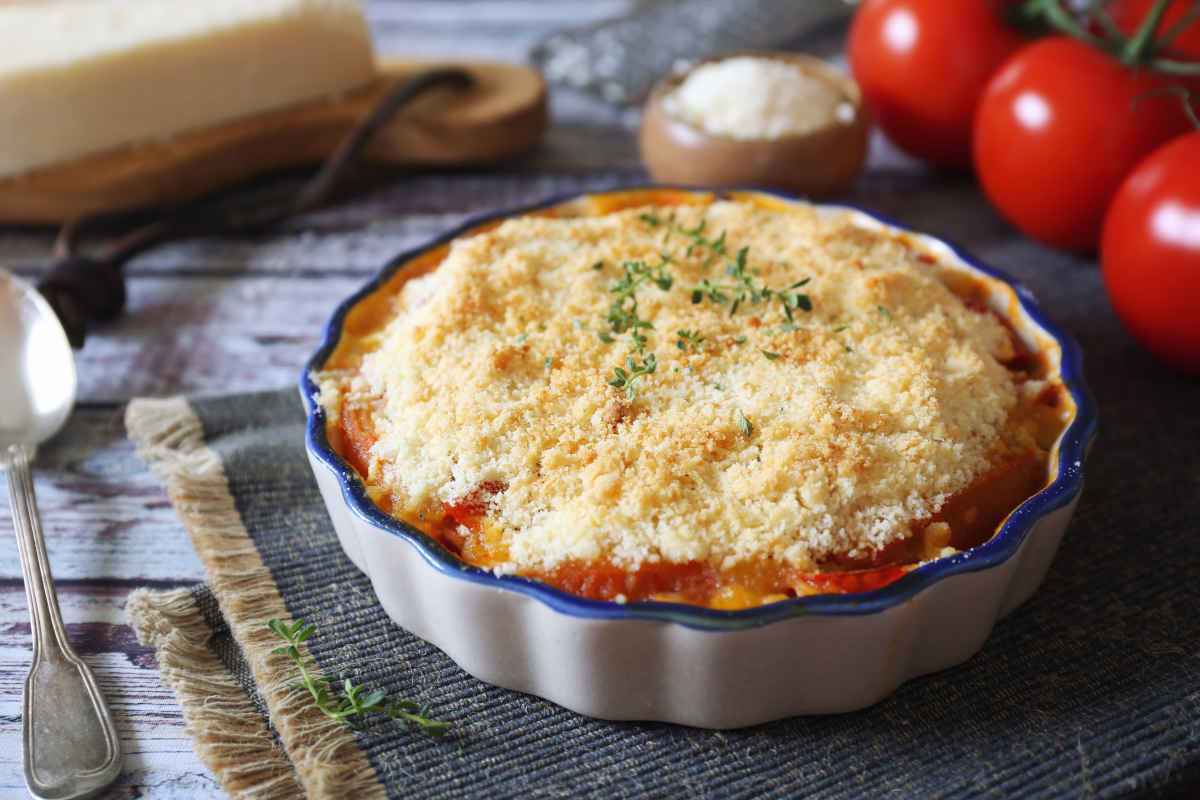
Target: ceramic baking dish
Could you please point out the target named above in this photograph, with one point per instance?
(692, 665)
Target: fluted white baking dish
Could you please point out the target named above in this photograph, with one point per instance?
(698, 666)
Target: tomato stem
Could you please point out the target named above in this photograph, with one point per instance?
(1138, 50)
(1170, 67)
(1062, 20)
(1142, 42)
(1185, 97)
(1105, 20)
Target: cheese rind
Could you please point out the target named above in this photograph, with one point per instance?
(81, 78)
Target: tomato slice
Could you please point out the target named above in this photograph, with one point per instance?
(358, 435)
(867, 580)
(693, 582)
(470, 509)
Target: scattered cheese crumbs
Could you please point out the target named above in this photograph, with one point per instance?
(755, 98)
(847, 449)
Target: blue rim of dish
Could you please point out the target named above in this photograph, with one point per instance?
(1068, 482)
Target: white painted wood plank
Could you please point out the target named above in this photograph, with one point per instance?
(479, 28)
(525, 14)
(209, 336)
(360, 250)
(159, 761)
(104, 515)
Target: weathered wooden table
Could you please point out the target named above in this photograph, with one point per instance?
(241, 314)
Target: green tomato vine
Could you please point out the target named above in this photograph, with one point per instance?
(1142, 49)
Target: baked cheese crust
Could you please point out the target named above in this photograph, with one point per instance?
(754, 438)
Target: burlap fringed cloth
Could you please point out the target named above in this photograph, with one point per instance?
(1092, 689)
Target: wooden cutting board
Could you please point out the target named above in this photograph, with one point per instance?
(503, 115)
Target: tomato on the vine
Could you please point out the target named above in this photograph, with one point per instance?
(922, 65)
(1128, 16)
(1150, 253)
(1059, 127)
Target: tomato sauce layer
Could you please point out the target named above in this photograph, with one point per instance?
(972, 517)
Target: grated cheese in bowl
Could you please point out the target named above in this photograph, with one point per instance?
(748, 97)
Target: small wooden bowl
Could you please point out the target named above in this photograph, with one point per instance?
(821, 162)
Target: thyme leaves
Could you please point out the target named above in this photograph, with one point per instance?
(740, 286)
(349, 704)
(627, 377)
(688, 339)
(744, 425)
(745, 287)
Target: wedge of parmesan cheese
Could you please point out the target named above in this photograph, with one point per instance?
(82, 77)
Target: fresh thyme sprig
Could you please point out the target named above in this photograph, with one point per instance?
(624, 317)
(746, 288)
(623, 313)
(715, 247)
(744, 425)
(352, 706)
(627, 378)
(688, 339)
(743, 287)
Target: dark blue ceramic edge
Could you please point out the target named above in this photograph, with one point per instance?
(1004, 545)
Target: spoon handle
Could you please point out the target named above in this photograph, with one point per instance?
(71, 744)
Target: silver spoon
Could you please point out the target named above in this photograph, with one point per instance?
(71, 744)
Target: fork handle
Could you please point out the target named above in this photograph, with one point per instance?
(71, 745)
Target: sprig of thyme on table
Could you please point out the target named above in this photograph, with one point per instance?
(353, 704)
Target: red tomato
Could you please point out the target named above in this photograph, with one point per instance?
(1059, 127)
(1151, 253)
(922, 65)
(1128, 14)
